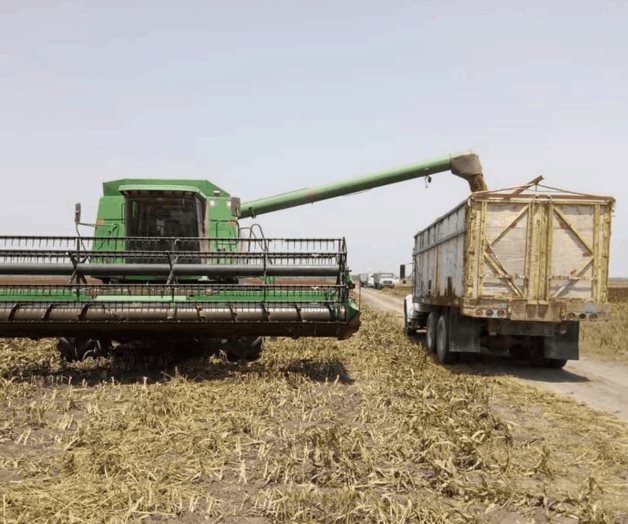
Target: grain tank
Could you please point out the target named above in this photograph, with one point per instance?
(512, 271)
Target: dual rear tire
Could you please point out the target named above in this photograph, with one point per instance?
(437, 337)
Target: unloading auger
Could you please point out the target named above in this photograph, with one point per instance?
(169, 258)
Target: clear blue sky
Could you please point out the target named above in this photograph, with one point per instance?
(265, 97)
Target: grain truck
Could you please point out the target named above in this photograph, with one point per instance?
(513, 271)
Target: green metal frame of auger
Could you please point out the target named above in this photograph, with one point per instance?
(225, 210)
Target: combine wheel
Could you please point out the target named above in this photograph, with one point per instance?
(73, 349)
(442, 341)
(430, 334)
(244, 348)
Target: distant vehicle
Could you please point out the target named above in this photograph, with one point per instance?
(512, 272)
(383, 280)
(370, 280)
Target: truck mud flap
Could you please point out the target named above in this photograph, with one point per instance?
(464, 333)
(563, 346)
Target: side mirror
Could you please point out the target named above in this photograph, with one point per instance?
(77, 213)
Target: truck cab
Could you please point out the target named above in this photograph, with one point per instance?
(383, 280)
(166, 208)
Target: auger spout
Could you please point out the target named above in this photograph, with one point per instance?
(465, 165)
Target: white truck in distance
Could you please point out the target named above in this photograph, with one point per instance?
(383, 280)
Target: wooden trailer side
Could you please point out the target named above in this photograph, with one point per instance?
(512, 272)
(537, 258)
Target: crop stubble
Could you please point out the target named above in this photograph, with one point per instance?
(365, 430)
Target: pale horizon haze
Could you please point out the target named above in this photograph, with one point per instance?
(266, 97)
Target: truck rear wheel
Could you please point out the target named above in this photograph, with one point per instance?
(430, 334)
(442, 341)
(554, 363)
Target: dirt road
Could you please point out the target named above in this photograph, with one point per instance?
(600, 384)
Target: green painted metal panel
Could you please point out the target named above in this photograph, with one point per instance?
(112, 188)
(465, 165)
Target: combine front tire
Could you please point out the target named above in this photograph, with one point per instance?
(74, 349)
(244, 348)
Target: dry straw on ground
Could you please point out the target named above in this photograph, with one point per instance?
(366, 430)
(607, 340)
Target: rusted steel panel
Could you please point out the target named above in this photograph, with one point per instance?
(439, 258)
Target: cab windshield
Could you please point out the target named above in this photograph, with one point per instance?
(163, 216)
(167, 217)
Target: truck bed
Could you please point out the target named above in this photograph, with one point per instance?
(519, 256)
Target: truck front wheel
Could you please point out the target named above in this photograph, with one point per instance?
(75, 349)
(409, 330)
(244, 348)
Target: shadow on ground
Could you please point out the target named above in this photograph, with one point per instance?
(145, 366)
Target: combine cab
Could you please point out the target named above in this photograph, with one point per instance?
(169, 259)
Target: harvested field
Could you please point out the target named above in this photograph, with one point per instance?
(607, 340)
(618, 293)
(365, 430)
(617, 288)
(397, 291)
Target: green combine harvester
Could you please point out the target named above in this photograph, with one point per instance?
(170, 259)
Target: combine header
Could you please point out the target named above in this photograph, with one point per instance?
(169, 259)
